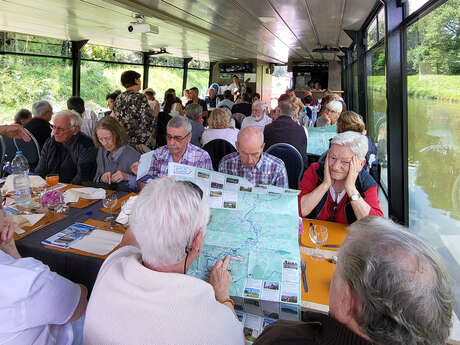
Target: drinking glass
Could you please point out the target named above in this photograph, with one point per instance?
(52, 179)
(318, 235)
(109, 202)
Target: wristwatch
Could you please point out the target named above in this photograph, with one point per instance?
(355, 197)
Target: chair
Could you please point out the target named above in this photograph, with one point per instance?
(217, 149)
(292, 160)
(30, 149)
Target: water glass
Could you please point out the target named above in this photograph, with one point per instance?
(318, 235)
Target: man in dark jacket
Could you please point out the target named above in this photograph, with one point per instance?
(283, 129)
(39, 126)
(68, 152)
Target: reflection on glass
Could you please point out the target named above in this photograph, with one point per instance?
(377, 106)
(94, 52)
(27, 79)
(433, 88)
(163, 78)
(199, 79)
(381, 23)
(414, 5)
(372, 34)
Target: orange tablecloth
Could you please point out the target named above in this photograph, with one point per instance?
(319, 273)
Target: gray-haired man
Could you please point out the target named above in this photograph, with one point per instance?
(194, 113)
(389, 287)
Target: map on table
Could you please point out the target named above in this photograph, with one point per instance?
(261, 236)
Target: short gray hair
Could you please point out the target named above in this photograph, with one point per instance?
(355, 141)
(180, 121)
(286, 108)
(192, 111)
(401, 282)
(40, 108)
(167, 216)
(74, 117)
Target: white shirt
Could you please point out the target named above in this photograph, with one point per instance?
(89, 120)
(228, 134)
(249, 121)
(132, 305)
(35, 303)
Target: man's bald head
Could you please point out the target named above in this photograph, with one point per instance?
(250, 145)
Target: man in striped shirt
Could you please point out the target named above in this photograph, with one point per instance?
(252, 163)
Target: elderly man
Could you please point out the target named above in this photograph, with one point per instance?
(37, 306)
(340, 190)
(143, 295)
(40, 126)
(330, 114)
(283, 129)
(194, 113)
(178, 150)
(252, 163)
(68, 152)
(389, 287)
(258, 116)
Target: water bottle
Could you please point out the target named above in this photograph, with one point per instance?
(21, 181)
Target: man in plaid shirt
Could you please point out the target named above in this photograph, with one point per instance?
(252, 163)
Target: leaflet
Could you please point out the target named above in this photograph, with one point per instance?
(290, 292)
(271, 291)
(252, 327)
(290, 271)
(68, 236)
(145, 162)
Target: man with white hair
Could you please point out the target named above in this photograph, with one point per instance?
(40, 126)
(340, 190)
(142, 294)
(252, 163)
(389, 287)
(68, 152)
(258, 116)
(330, 114)
(177, 149)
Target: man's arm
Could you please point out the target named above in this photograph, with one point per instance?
(82, 303)
(41, 168)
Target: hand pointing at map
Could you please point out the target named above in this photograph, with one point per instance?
(220, 279)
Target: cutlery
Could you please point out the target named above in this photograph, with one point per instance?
(303, 267)
(331, 245)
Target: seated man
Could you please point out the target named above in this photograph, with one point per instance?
(389, 287)
(194, 114)
(178, 149)
(142, 294)
(340, 190)
(68, 152)
(284, 130)
(258, 116)
(37, 306)
(40, 126)
(252, 163)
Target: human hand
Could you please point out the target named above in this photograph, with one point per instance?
(327, 174)
(107, 177)
(220, 279)
(134, 167)
(119, 176)
(7, 243)
(353, 171)
(16, 131)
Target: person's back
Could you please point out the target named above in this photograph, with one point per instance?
(39, 125)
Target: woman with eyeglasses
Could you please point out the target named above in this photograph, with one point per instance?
(339, 189)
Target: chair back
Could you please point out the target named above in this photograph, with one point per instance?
(292, 160)
(30, 149)
(238, 117)
(217, 149)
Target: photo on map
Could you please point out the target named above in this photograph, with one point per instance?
(271, 309)
(290, 264)
(229, 204)
(271, 291)
(240, 315)
(271, 285)
(251, 293)
(232, 180)
(267, 322)
(215, 193)
(202, 174)
(217, 185)
(245, 189)
(289, 298)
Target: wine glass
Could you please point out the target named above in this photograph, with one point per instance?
(318, 235)
(109, 202)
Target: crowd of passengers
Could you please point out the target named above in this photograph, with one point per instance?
(389, 287)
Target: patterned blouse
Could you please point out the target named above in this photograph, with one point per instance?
(133, 111)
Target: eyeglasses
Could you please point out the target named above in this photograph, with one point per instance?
(332, 210)
(176, 138)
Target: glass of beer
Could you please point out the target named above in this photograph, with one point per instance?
(52, 179)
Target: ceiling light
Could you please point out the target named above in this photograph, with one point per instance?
(267, 19)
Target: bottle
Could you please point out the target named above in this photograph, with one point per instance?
(21, 181)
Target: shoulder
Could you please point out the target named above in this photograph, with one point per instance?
(234, 156)
(366, 180)
(268, 158)
(131, 152)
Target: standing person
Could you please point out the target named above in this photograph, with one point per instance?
(110, 98)
(88, 117)
(133, 111)
(40, 126)
(154, 104)
(22, 117)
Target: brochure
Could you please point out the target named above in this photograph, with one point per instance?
(68, 236)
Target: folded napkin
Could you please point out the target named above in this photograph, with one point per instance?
(125, 211)
(73, 194)
(35, 181)
(25, 220)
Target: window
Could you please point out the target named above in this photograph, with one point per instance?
(433, 96)
(381, 23)
(94, 52)
(27, 79)
(99, 79)
(199, 79)
(377, 106)
(29, 44)
(163, 78)
(372, 34)
(414, 5)
(355, 87)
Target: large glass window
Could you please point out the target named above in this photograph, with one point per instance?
(163, 78)
(27, 79)
(414, 5)
(99, 79)
(377, 106)
(199, 79)
(372, 34)
(433, 99)
(355, 87)
(30, 44)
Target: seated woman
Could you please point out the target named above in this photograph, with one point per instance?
(329, 114)
(219, 123)
(142, 293)
(339, 189)
(114, 156)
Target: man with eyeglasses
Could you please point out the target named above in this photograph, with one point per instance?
(177, 149)
(339, 189)
(68, 152)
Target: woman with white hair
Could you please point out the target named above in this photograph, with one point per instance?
(142, 294)
(339, 189)
(330, 114)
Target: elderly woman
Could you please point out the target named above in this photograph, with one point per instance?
(114, 156)
(219, 123)
(329, 114)
(142, 294)
(339, 189)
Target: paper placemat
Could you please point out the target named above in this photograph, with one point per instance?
(48, 219)
(319, 275)
(336, 234)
